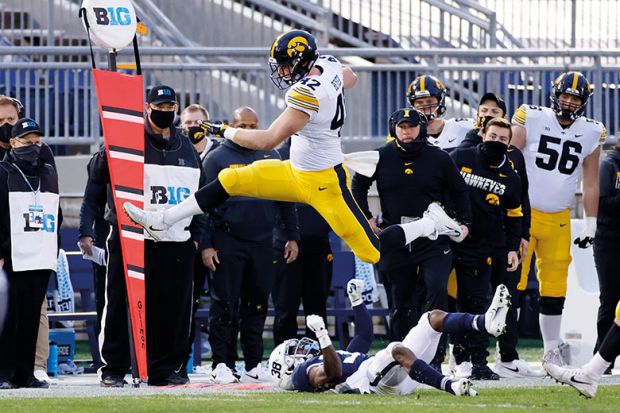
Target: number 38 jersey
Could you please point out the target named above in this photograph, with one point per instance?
(317, 146)
(554, 155)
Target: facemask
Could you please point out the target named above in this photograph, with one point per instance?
(412, 146)
(494, 151)
(27, 154)
(162, 119)
(5, 132)
(484, 120)
(195, 134)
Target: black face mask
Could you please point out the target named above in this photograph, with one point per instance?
(411, 147)
(5, 132)
(494, 151)
(27, 154)
(162, 119)
(484, 120)
(195, 134)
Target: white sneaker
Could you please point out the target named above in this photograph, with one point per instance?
(355, 289)
(463, 370)
(152, 222)
(463, 387)
(495, 317)
(222, 374)
(256, 375)
(41, 375)
(516, 368)
(444, 225)
(577, 378)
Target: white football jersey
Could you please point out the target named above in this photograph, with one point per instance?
(554, 155)
(453, 133)
(318, 146)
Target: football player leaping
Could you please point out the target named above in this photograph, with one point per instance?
(314, 175)
(398, 369)
(557, 143)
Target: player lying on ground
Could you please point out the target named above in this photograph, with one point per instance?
(314, 174)
(585, 379)
(397, 369)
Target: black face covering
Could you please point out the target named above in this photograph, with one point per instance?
(494, 151)
(27, 154)
(5, 132)
(195, 134)
(162, 119)
(411, 147)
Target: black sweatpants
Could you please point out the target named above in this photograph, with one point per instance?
(609, 284)
(307, 280)
(408, 304)
(169, 285)
(18, 340)
(200, 275)
(500, 275)
(240, 289)
(114, 334)
(473, 276)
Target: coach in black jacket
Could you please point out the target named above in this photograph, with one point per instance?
(410, 175)
(172, 172)
(495, 193)
(239, 236)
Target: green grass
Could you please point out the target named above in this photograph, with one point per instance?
(547, 399)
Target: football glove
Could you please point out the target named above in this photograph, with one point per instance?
(586, 238)
(355, 289)
(214, 128)
(316, 324)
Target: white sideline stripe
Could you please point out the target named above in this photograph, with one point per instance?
(127, 156)
(129, 195)
(134, 274)
(133, 235)
(123, 116)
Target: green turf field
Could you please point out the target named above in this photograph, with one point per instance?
(547, 399)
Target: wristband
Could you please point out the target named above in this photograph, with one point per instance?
(325, 341)
(229, 133)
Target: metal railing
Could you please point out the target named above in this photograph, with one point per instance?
(60, 94)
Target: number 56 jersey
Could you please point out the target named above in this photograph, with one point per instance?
(317, 146)
(554, 155)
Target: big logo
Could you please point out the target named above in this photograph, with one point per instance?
(170, 195)
(112, 16)
(45, 223)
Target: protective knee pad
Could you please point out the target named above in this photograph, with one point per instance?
(551, 305)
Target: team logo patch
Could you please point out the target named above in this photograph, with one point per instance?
(296, 46)
(492, 199)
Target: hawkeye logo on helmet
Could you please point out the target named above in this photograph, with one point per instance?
(296, 45)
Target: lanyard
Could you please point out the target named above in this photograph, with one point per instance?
(34, 192)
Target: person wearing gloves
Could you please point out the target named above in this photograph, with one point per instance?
(29, 221)
(559, 144)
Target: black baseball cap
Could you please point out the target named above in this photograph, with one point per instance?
(24, 126)
(408, 115)
(492, 96)
(161, 94)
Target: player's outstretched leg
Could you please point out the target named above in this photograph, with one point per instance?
(156, 223)
(586, 378)
(421, 372)
(434, 223)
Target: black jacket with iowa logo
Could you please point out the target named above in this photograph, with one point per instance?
(407, 182)
(495, 195)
